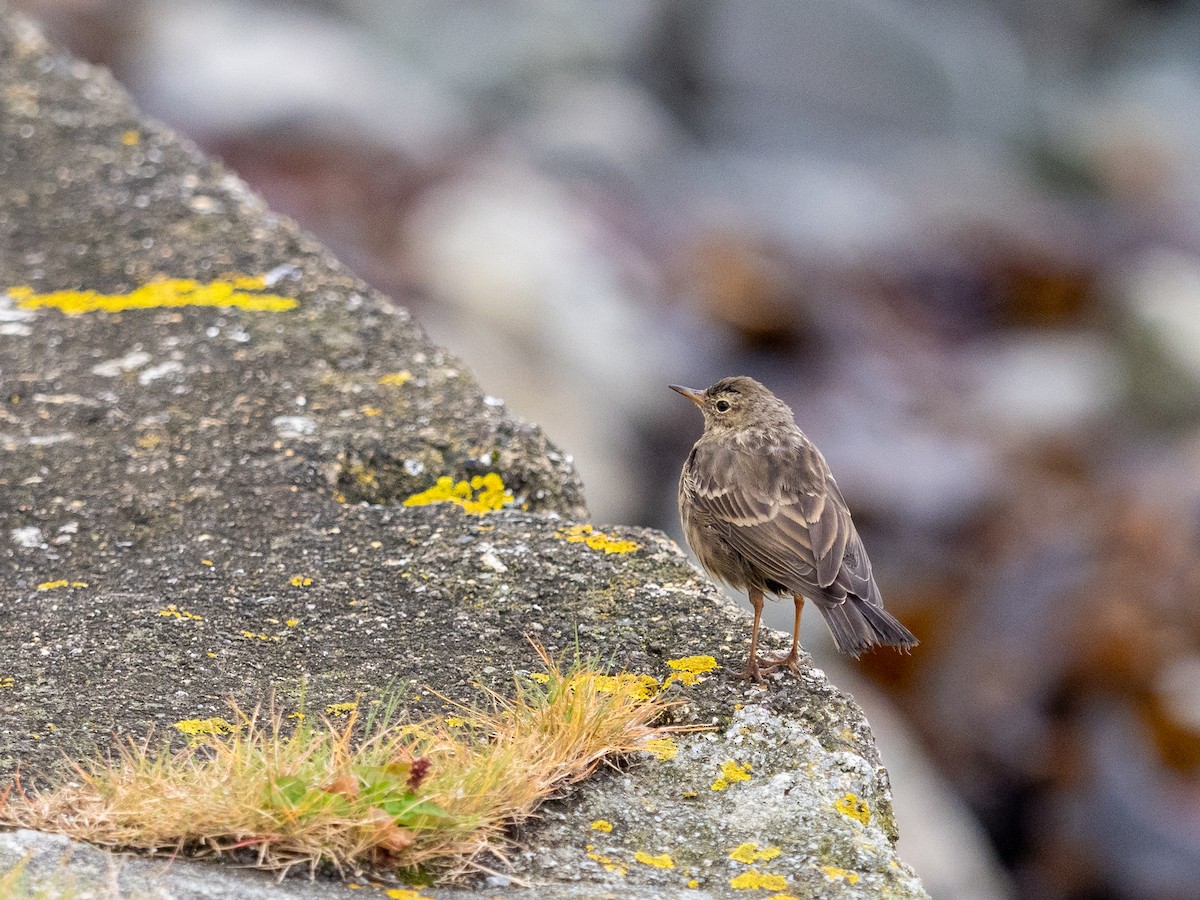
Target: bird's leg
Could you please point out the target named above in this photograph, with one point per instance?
(751, 672)
(789, 661)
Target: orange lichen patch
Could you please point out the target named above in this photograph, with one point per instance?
(482, 494)
(199, 728)
(833, 873)
(299, 581)
(597, 540)
(731, 773)
(854, 807)
(240, 292)
(60, 583)
(662, 861)
(602, 825)
(171, 611)
(647, 685)
(663, 748)
(610, 865)
(751, 853)
(688, 669)
(396, 379)
(755, 880)
(341, 709)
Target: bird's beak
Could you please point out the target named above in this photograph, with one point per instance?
(695, 396)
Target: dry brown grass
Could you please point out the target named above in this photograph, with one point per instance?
(386, 796)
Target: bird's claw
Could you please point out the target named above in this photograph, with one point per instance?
(789, 662)
(752, 672)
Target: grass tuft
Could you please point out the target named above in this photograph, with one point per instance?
(375, 793)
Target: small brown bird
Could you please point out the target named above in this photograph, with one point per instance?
(763, 513)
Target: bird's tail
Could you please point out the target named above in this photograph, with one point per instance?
(858, 625)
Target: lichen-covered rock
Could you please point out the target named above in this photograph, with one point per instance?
(208, 434)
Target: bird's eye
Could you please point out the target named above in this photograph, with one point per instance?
(722, 406)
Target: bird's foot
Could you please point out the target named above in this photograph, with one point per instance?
(789, 662)
(752, 672)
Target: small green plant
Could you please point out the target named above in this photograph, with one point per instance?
(383, 794)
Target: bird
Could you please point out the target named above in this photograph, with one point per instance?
(763, 513)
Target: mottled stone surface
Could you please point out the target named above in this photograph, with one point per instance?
(202, 502)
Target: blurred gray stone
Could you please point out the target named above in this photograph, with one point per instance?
(1158, 297)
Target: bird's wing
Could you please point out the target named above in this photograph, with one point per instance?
(782, 511)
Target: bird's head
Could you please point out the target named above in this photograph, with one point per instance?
(737, 403)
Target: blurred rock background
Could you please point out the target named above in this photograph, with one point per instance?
(962, 239)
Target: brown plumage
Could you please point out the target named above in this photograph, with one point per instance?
(763, 513)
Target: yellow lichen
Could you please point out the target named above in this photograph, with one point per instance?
(455, 721)
(783, 897)
(171, 611)
(300, 581)
(371, 411)
(258, 636)
(833, 873)
(363, 475)
(854, 807)
(6, 681)
(751, 853)
(405, 894)
(396, 379)
(689, 668)
(663, 748)
(130, 138)
(597, 540)
(647, 685)
(731, 773)
(662, 861)
(60, 583)
(241, 292)
(755, 880)
(292, 623)
(610, 865)
(539, 677)
(483, 494)
(341, 709)
(602, 825)
(206, 562)
(196, 728)
(693, 882)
